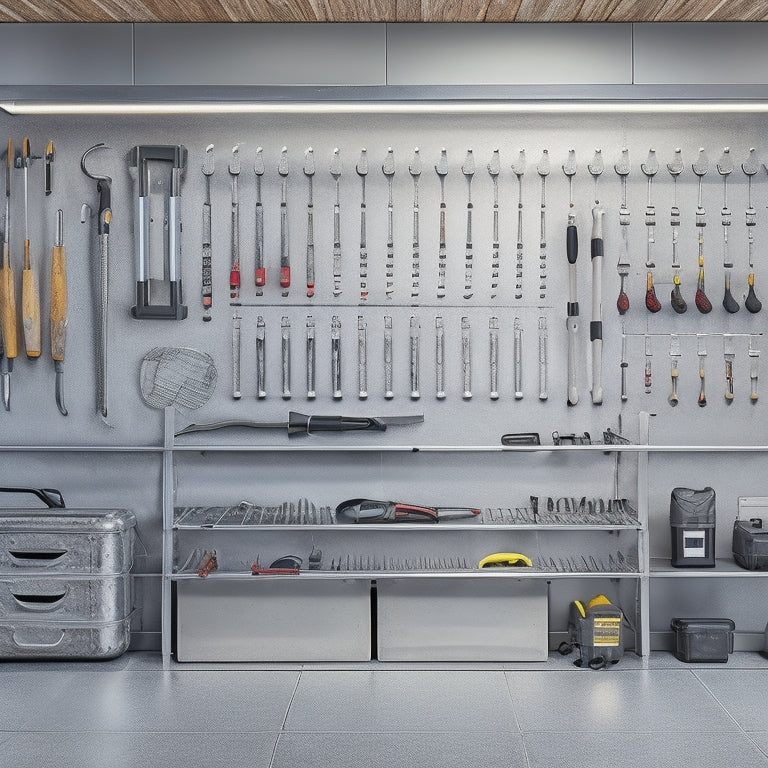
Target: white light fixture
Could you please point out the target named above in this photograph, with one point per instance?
(380, 107)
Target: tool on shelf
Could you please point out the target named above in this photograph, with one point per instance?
(518, 169)
(362, 172)
(30, 292)
(700, 168)
(415, 170)
(466, 358)
(648, 369)
(371, 511)
(49, 157)
(596, 324)
(336, 357)
(572, 252)
(58, 310)
(260, 271)
(506, 560)
(754, 363)
(701, 352)
(675, 168)
(236, 319)
(362, 358)
(207, 563)
(623, 168)
(675, 354)
(285, 250)
(468, 169)
(493, 356)
(494, 169)
(261, 358)
(178, 376)
(543, 169)
(441, 168)
(521, 438)
(285, 356)
(543, 394)
(623, 364)
(750, 167)
(439, 359)
(650, 168)
(310, 354)
(388, 372)
(104, 219)
(388, 169)
(140, 158)
(246, 513)
(234, 272)
(568, 510)
(517, 358)
(572, 439)
(336, 175)
(725, 168)
(729, 353)
(8, 328)
(302, 424)
(415, 339)
(207, 273)
(309, 172)
(287, 565)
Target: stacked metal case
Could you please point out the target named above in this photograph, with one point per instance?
(66, 590)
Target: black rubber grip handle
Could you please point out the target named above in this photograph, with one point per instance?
(597, 247)
(572, 243)
(49, 496)
(595, 330)
(300, 422)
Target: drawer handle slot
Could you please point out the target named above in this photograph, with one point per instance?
(37, 639)
(27, 557)
(39, 602)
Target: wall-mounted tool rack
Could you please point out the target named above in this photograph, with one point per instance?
(131, 459)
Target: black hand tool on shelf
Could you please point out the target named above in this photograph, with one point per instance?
(303, 424)
(372, 511)
(8, 329)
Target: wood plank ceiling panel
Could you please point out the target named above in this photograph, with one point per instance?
(381, 10)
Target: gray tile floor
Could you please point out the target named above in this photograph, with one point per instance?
(131, 713)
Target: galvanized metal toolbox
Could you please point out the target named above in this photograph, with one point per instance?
(66, 590)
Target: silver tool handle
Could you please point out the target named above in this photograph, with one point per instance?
(415, 269)
(495, 252)
(468, 256)
(442, 255)
(415, 343)
(439, 359)
(388, 373)
(390, 263)
(236, 394)
(363, 255)
(362, 359)
(285, 253)
(543, 395)
(310, 359)
(285, 353)
(235, 292)
(261, 366)
(493, 356)
(596, 325)
(336, 358)
(260, 274)
(466, 358)
(518, 360)
(310, 252)
(336, 250)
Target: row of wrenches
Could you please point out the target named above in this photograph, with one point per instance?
(414, 367)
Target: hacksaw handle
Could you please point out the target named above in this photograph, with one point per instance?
(30, 308)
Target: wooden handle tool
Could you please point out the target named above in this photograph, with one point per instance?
(30, 296)
(59, 309)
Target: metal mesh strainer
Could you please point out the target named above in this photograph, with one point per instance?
(177, 376)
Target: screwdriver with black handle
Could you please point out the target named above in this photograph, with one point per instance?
(7, 290)
(30, 296)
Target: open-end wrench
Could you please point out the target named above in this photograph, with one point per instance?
(310, 350)
(650, 168)
(285, 356)
(336, 357)
(415, 334)
(623, 168)
(493, 356)
(572, 252)
(388, 373)
(494, 169)
(261, 359)
(362, 358)
(466, 357)
(234, 273)
(750, 167)
(388, 168)
(596, 324)
(415, 170)
(675, 168)
(439, 359)
(468, 169)
(442, 256)
(309, 172)
(362, 172)
(543, 169)
(518, 169)
(700, 167)
(260, 272)
(724, 168)
(285, 251)
(207, 275)
(336, 174)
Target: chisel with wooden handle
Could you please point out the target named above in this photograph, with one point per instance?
(7, 290)
(59, 310)
(30, 296)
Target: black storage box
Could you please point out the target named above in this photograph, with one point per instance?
(703, 640)
(692, 524)
(750, 544)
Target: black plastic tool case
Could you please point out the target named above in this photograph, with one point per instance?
(750, 544)
(703, 640)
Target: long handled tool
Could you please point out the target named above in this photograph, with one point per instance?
(750, 168)
(622, 267)
(388, 168)
(362, 358)
(30, 295)
(518, 169)
(700, 167)
(543, 395)
(493, 355)
(362, 172)
(234, 272)
(336, 175)
(58, 311)
(285, 251)
(543, 170)
(310, 353)
(677, 301)
(7, 290)
(494, 169)
(415, 368)
(754, 364)
(442, 255)
(207, 282)
(388, 359)
(596, 324)
(415, 170)
(650, 168)
(674, 353)
(729, 353)
(439, 359)
(724, 168)
(260, 271)
(104, 219)
(309, 172)
(285, 356)
(701, 352)
(261, 358)
(572, 252)
(468, 169)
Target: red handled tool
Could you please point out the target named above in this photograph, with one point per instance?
(371, 511)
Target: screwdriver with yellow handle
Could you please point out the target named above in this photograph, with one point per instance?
(59, 310)
(7, 290)
(30, 296)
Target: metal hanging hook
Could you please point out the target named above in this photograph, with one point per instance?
(90, 175)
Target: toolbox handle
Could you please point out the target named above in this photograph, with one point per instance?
(27, 558)
(21, 642)
(40, 603)
(51, 497)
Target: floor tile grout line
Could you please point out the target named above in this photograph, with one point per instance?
(285, 719)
